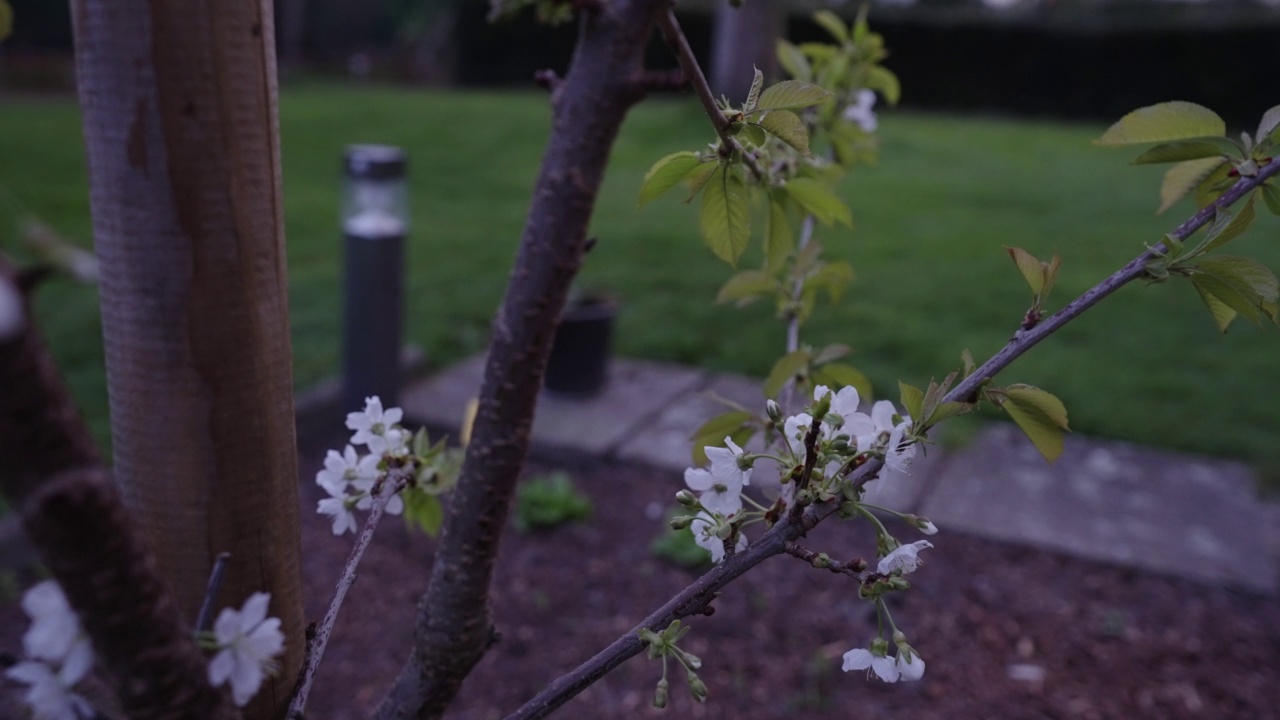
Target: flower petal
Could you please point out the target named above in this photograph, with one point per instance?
(857, 659)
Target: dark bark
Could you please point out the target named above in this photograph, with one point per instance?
(139, 637)
(179, 105)
(454, 625)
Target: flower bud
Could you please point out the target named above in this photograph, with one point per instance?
(687, 499)
(821, 561)
(660, 694)
(834, 420)
(899, 638)
(692, 660)
(680, 522)
(926, 527)
(773, 411)
(822, 407)
(697, 687)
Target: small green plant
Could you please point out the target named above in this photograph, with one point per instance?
(546, 501)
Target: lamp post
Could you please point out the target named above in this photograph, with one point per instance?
(375, 222)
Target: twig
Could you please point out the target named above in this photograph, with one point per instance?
(211, 591)
(793, 316)
(315, 649)
(856, 569)
(791, 528)
(689, 64)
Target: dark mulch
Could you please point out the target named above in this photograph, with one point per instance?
(1112, 642)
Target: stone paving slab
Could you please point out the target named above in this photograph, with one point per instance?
(1151, 509)
(664, 442)
(637, 391)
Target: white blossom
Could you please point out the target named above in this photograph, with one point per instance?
(721, 485)
(927, 527)
(863, 659)
(860, 112)
(49, 693)
(394, 506)
(905, 557)
(341, 470)
(374, 427)
(900, 452)
(55, 634)
(910, 665)
(248, 642)
(337, 508)
(704, 534)
(881, 426)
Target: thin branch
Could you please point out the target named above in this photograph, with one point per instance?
(856, 569)
(689, 64)
(791, 527)
(793, 315)
(315, 648)
(211, 591)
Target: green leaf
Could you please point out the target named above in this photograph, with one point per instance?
(1042, 417)
(755, 134)
(1220, 233)
(911, 398)
(1271, 196)
(1247, 272)
(787, 127)
(832, 23)
(832, 277)
(698, 178)
(1177, 120)
(883, 80)
(1226, 294)
(725, 219)
(714, 431)
(747, 286)
(787, 368)
(1032, 270)
(1184, 177)
(794, 61)
(818, 200)
(1222, 314)
(1214, 184)
(838, 375)
(948, 410)
(1268, 126)
(779, 239)
(831, 353)
(6, 19)
(791, 94)
(666, 174)
(753, 95)
(1187, 150)
(423, 510)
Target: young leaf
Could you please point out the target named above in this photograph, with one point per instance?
(832, 277)
(885, 82)
(966, 358)
(1268, 126)
(747, 286)
(946, 411)
(1250, 273)
(725, 219)
(794, 61)
(753, 95)
(1213, 185)
(1042, 417)
(1231, 292)
(790, 94)
(1220, 234)
(911, 398)
(666, 174)
(787, 127)
(1187, 150)
(698, 178)
(787, 367)
(1271, 196)
(831, 353)
(1184, 177)
(778, 239)
(832, 24)
(818, 200)
(755, 134)
(423, 510)
(1222, 314)
(1032, 270)
(1177, 120)
(838, 375)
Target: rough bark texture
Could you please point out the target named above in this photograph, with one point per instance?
(179, 103)
(454, 625)
(139, 637)
(742, 37)
(41, 432)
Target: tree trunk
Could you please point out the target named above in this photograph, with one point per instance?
(742, 37)
(180, 120)
(454, 626)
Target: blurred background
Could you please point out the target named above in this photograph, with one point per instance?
(990, 146)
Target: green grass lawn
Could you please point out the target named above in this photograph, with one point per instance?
(930, 221)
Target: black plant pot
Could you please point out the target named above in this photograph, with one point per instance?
(579, 362)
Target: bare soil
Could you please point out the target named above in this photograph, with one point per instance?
(1110, 642)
